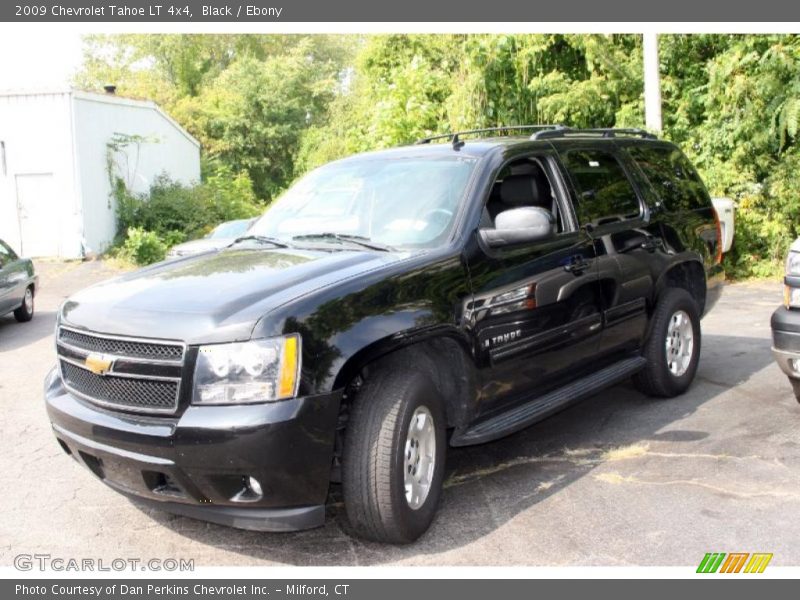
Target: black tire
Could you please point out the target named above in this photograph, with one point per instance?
(656, 379)
(25, 312)
(374, 461)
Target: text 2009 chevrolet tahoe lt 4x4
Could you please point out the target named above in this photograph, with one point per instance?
(389, 305)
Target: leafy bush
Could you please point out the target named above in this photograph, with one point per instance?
(172, 238)
(173, 207)
(172, 213)
(767, 221)
(737, 118)
(142, 247)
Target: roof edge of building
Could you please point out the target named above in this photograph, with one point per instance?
(104, 98)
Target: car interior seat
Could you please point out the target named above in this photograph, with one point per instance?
(529, 188)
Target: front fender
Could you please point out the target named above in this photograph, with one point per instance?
(358, 320)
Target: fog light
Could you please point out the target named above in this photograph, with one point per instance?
(795, 364)
(251, 491)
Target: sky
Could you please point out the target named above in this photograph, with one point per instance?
(32, 62)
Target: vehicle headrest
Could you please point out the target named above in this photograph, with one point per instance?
(530, 189)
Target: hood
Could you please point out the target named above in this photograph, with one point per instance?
(214, 297)
(198, 246)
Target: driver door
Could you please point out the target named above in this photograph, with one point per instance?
(536, 315)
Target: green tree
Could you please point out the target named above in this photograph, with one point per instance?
(733, 105)
(275, 106)
(247, 98)
(254, 114)
(407, 86)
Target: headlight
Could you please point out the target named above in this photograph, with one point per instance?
(793, 263)
(256, 371)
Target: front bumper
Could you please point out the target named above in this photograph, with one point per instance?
(785, 325)
(196, 463)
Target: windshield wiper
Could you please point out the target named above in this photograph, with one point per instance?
(359, 240)
(264, 239)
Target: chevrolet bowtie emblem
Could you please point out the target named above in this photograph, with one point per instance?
(99, 364)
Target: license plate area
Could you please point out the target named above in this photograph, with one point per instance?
(119, 473)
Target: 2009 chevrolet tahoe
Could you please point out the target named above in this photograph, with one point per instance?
(388, 306)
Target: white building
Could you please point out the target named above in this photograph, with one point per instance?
(56, 149)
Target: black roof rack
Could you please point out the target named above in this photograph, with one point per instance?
(455, 136)
(610, 132)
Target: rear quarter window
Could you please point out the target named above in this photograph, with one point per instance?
(672, 177)
(604, 192)
(6, 253)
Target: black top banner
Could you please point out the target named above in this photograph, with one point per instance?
(473, 11)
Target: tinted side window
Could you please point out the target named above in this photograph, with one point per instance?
(672, 176)
(604, 192)
(6, 254)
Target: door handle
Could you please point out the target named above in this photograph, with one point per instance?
(577, 265)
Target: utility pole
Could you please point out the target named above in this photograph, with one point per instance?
(652, 83)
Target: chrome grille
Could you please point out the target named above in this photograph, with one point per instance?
(121, 391)
(122, 347)
(140, 375)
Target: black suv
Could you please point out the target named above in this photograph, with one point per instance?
(386, 306)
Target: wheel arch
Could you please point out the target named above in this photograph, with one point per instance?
(442, 353)
(687, 274)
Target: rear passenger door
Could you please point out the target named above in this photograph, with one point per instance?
(609, 206)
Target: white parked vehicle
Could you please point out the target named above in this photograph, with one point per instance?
(726, 209)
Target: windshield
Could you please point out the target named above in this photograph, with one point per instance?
(230, 229)
(391, 201)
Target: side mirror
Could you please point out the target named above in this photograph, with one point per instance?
(519, 225)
